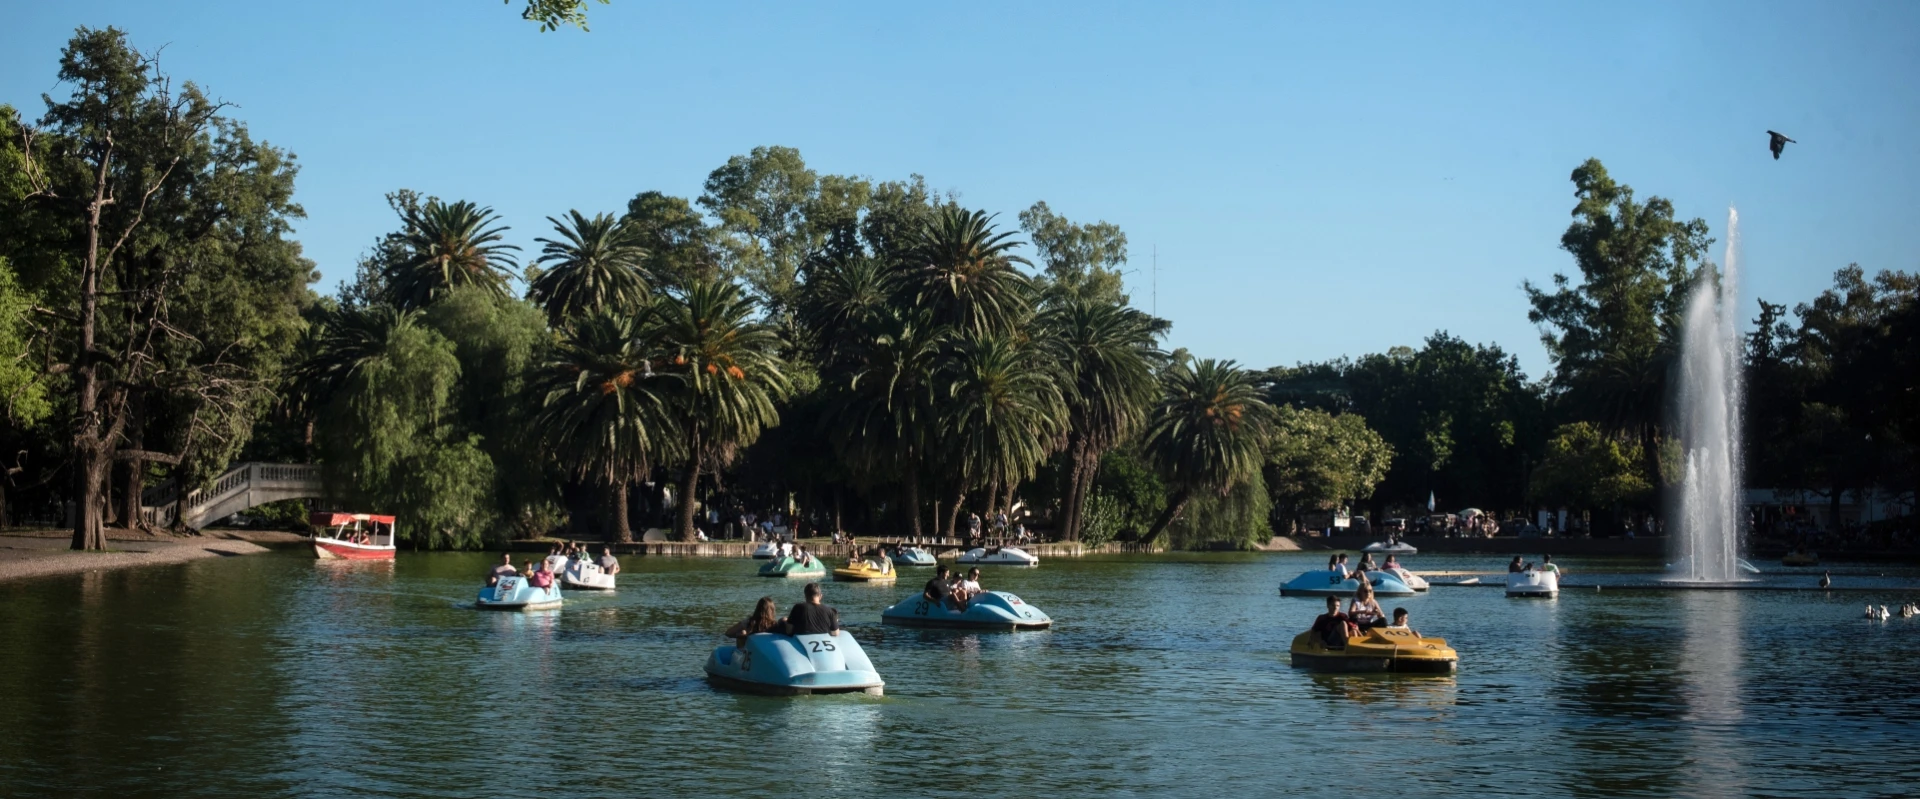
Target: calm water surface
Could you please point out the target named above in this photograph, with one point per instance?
(1167, 676)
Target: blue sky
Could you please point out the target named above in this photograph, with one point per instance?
(1319, 181)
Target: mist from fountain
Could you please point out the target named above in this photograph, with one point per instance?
(1710, 515)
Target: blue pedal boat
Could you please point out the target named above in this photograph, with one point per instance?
(1321, 582)
(791, 567)
(993, 610)
(514, 592)
(915, 556)
(795, 665)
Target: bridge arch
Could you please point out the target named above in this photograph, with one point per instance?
(243, 486)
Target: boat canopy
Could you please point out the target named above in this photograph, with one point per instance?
(336, 519)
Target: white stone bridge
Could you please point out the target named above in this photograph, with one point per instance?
(242, 487)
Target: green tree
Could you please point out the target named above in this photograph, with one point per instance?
(1613, 336)
(680, 247)
(449, 246)
(551, 14)
(731, 375)
(595, 263)
(1207, 435)
(1001, 412)
(1105, 354)
(500, 342)
(1079, 261)
(884, 416)
(1588, 469)
(962, 272)
(605, 412)
(1317, 460)
(23, 383)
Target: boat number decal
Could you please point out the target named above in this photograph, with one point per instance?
(820, 646)
(920, 609)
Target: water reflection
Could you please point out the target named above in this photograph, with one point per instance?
(1711, 668)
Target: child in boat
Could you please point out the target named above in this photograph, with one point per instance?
(1400, 622)
(1332, 627)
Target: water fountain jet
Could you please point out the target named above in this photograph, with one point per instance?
(1709, 514)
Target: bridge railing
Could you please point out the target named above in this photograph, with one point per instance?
(241, 478)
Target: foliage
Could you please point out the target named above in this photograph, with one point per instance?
(23, 387)
(1316, 460)
(1078, 261)
(1208, 433)
(446, 246)
(1588, 468)
(1239, 517)
(551, 14)
(595, 263)
(962, 272)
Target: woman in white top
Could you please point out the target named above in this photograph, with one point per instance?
(1364, 611)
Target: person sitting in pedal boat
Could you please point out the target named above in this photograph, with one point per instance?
(1365, 612)
(1400, 622)
(1332, 627)
(609, 563)
(505, 568)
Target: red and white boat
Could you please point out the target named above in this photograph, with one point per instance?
(353, 536)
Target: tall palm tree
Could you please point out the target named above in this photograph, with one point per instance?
(604, 410)
(1001, 412)
(1208, 433)
(731, 374)
(449, 246)
(1106, 355)
(883, 411)
(962, 271)
(595, 263)
(840, 300)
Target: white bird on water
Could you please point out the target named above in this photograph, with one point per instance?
(1907, 610)
(1877, 614)
(1826, 580)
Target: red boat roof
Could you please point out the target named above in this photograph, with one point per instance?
(331, 519)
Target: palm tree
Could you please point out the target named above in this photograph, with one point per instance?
(604, 411)
(963, 273)
(595, 263)
(731, 374)
(342, 346)
(883, 409)
(449, 246)
(1208, 433)
(1106, 356)
(841, 299)
(1001, 413)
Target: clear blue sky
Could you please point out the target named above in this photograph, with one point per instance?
(1319, 181)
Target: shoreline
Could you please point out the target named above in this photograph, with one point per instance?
(30, 554)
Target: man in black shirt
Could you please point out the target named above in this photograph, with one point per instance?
(811, 617)
(937, 590)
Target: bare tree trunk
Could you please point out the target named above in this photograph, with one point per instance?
(90, 449)
(689, 480)
(136, 468)
(953, 515)
(1175, 504)
(913, 499)
(993, 496)
(622, 529)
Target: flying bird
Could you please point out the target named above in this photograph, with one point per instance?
(1777, 143)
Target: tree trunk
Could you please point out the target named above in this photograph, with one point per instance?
(136, 485)
(837, 526)
(1006, 502)
(913, 499)
(953, 514)
(993, 496)
(683, 524)
(622, 527)
(1175, 504)
(90, 455)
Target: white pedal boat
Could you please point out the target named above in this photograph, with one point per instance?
(1392, 547)
(997, 556)
(1413, 581)
(583, 574)
(766, 551)
(514, 592)
(1533, 583)
(915, 556)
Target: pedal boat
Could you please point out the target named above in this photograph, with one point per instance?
(1392, 547)
(514, 592)
(766, 551)
(915, 556)
(864, 571)
(1321, 582)
(791, 567)
(1381, 649)
(1413, 581)
(581, 574)
(336, 543)
(993, 610)
(1533, 583)
(997, 556)
(795, 665)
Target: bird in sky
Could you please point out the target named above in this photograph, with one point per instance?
(1777, 143)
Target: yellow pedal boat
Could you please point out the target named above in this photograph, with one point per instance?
(1375, 650)
(862, 571)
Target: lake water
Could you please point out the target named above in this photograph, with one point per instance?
(277, 675)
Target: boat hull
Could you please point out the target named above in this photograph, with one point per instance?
(915, 556)
(993, 610)
(1320, 582)
(864, 573)
(795, 665)
(791, 569)
(1533, 584)
(1007, 556)
(1391, 549)
(1376, 651)
(335, 549)
(515, 593)
(1413, 581)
